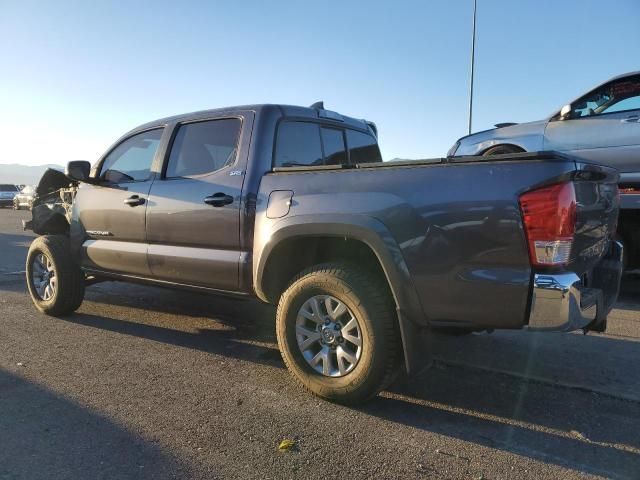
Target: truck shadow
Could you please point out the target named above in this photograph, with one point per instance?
(44, 435)
(570, 427)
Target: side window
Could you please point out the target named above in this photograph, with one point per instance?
(631, 103)
(335, 152)
(131, 160)
(614, 97)
(204, 147)
(298, 144)
(363, 148)
(625, 96)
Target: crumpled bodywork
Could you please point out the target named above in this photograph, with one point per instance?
(51, 210)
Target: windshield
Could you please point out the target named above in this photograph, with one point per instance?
(8, 188)
(591, 104)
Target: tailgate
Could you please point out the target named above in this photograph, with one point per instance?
(597, 207)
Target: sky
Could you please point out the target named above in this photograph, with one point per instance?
(75, 76)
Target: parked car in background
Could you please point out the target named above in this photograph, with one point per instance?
(24, 198)
(7, 194)
(601, 126)
(294, 206)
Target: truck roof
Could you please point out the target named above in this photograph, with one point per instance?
(316, 111)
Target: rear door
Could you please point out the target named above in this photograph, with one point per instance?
(112, 212)
(193, 217)
(603, 127)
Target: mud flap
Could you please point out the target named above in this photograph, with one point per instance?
(416, 345)
(607, 275)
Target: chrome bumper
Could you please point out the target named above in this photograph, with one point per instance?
(561, 302)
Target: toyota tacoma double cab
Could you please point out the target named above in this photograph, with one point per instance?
(363, 258)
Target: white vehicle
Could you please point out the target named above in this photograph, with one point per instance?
(24, 199)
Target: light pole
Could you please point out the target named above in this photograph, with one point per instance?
(473, 54)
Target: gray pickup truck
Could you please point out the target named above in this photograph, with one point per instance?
(363, 258)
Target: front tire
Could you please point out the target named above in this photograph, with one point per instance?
(338, 333)
(54, 279)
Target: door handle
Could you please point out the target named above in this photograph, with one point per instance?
(134, 201)
(632, 119)
(219, 199)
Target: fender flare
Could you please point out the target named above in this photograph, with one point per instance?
(374, 234)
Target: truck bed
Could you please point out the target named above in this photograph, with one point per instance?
(457, 223)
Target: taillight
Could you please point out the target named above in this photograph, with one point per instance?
(549, 216)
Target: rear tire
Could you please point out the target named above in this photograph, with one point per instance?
(54, 279)
(354, 374)
(502, 149)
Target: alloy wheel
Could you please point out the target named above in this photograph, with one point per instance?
(328, 335)
(44, 276)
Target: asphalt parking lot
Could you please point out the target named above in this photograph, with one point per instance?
(149, 383)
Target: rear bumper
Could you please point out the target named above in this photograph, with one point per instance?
(561, 302)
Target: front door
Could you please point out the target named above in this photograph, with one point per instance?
(193, 215)
(603, 126)
(111, 213)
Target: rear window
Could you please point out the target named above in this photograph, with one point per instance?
(308, 144)
(8, 188)
(363, 148)
(298, 144)
(335, 152)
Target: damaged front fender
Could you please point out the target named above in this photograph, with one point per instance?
(51, 211)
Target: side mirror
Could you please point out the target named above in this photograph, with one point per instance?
(78, 170)
(565, 112)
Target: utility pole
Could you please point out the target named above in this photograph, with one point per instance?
(473, 55)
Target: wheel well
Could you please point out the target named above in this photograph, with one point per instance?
(293, 255)
(509, 145)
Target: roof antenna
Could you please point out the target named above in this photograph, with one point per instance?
(318, 105)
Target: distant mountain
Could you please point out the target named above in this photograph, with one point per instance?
(24, 174)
